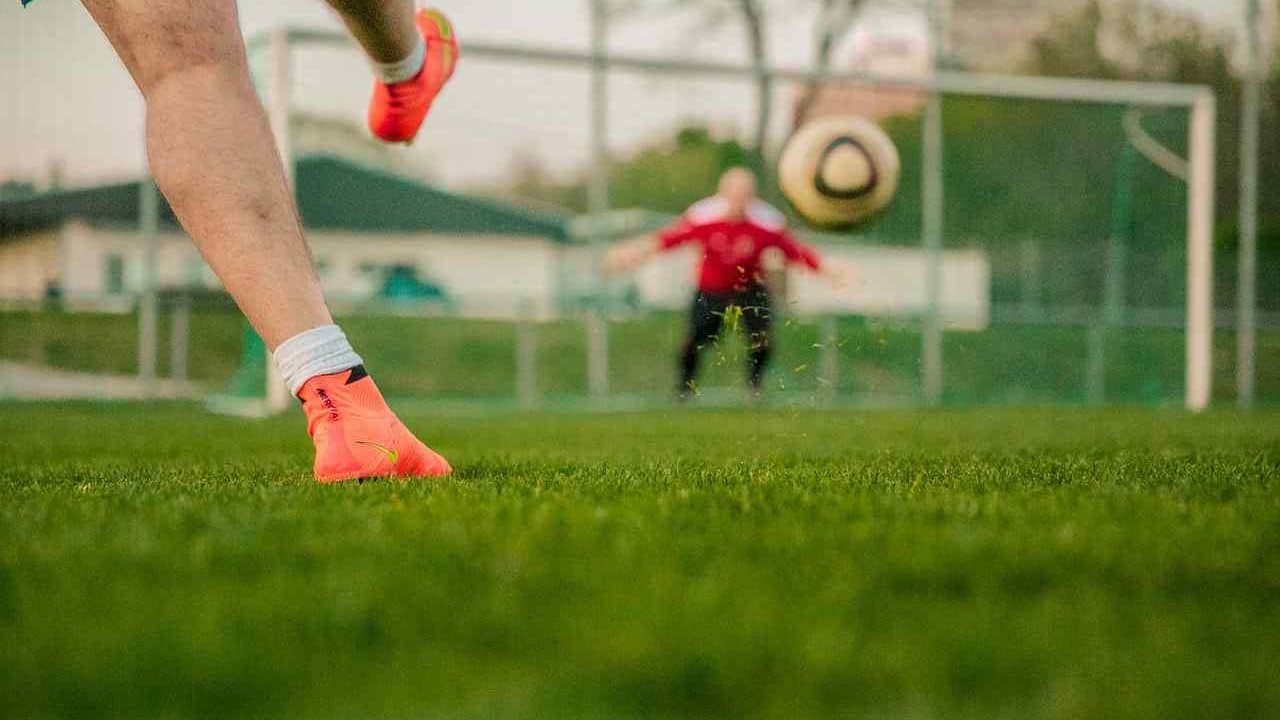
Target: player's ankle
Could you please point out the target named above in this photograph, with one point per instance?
(319, 351)
(405, 69)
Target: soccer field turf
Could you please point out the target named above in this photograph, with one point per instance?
(157, 561)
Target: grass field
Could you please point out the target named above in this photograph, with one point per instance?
(159, 562)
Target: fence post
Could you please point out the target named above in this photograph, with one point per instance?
(597, 328)
(179, 337)
(148, 229)
(933, 218)
(1029, 264)
(829, 360)
(1247, 289)
(1096, 364)
(526, 359)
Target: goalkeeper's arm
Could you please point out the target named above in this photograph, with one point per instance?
(631, 254)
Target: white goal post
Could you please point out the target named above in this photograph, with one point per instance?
(1198, 99)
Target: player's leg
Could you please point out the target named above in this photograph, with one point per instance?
(757, 322)
(384, 28)
(413, 55)
(213, 157)
(705, 320)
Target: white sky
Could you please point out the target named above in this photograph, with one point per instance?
(65, 98)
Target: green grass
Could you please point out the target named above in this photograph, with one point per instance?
(159, 562)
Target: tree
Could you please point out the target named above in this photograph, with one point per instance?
(14, 189)
(666, 175)
(1137, 40)
(670, 175)
(834, 20)
(753, 19)
(530, 182)
(753, 23)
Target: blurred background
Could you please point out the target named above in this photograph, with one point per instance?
(465, 267)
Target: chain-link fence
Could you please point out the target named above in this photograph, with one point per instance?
(1063, 260)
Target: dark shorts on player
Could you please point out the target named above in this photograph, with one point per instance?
(747, 310)
(750, 311)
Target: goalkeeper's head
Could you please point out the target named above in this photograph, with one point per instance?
(738, 190)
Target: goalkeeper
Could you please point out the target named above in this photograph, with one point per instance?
(733, 229)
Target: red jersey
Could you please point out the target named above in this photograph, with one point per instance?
(731, 248)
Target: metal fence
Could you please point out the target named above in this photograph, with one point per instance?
(622, 358)
(1101, 271)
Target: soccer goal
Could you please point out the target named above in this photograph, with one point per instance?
(1051, 242)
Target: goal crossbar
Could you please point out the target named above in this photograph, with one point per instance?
(1022, 87)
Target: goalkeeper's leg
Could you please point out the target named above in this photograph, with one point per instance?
(706, 317)
(757, 322)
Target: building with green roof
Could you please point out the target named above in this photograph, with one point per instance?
(374, 236)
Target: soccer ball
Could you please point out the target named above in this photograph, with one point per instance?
(839, 171)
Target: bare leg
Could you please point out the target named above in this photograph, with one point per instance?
(213, 156)
(384, 28)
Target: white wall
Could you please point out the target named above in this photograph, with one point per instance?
(890, 283)
(486, 275)
(494, 276)
(86, 250)
(28, 264)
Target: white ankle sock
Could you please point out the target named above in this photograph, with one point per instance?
(401, 70)
(319, 351)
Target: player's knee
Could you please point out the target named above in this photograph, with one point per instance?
(180, 67)
(162, 45)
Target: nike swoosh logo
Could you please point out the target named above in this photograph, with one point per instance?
(392, 455)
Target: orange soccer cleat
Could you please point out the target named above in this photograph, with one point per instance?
(356, 434)
(397, 110)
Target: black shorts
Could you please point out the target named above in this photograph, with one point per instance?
(748, 309)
